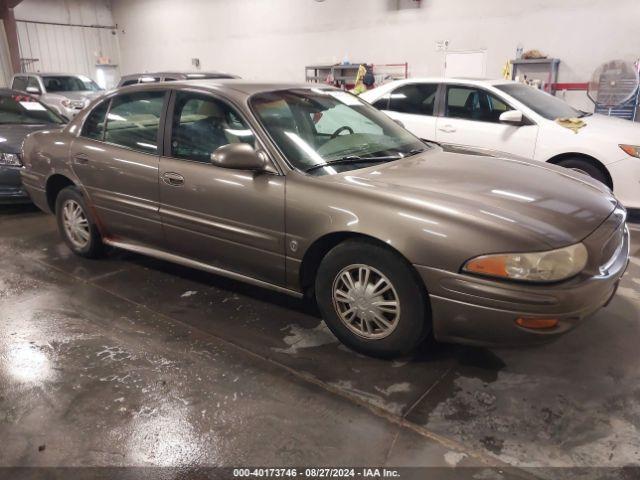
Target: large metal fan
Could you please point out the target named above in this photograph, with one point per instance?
(614, 88)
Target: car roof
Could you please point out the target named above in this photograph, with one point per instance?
(245, 87)
(49, 74)
(10, 91)
(174, 72)
(467, 80)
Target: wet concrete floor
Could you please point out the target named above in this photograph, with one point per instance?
(130, 361)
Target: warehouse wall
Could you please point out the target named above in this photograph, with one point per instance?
(275, 39)
(63, 36)
(85, 12)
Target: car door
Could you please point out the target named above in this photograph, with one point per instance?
(471, 119)
(231, 219)
(116, 158)
(413, 105)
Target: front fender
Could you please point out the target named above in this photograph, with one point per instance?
(444, 239)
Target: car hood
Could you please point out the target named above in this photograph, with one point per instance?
(543, 202)
(12, 136)
(611, 129)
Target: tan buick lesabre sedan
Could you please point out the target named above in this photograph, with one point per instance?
(311, 191)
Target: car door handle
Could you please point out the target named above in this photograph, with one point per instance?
(80, 159)
(173, 179)
(448, 129)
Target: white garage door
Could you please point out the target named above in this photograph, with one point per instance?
(77, 49)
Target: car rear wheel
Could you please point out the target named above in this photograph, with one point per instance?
(585, 167)
(372, 300)
(76, 225)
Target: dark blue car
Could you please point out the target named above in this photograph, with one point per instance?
(20, 114)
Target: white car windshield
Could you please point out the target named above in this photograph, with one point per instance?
(61, 83)
(540, 102)
(325, 131)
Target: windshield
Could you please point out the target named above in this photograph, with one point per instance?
(78, 83)
(25, 110)
(540, 102)
(324, 131)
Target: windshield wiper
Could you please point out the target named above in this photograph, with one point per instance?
(584, 114)
(415, 151)
(353, 159)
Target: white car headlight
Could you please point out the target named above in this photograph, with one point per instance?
(10, 159)
(633, 150)
(549, 266)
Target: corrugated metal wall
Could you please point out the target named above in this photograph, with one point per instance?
(5, 61)
(46, 47)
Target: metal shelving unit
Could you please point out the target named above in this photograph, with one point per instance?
(344, 75)
(543, 69)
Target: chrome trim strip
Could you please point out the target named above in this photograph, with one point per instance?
(187, 262)
(626, 240)
(205, 222)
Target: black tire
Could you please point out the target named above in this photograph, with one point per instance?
(587, 167)
(413, 323)
(94, 247)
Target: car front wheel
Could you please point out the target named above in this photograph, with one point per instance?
(372, 300)
(586, 168)
(76, 225)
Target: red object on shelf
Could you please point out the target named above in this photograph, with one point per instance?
(571, 86)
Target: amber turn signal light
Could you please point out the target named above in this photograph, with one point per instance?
(537, 323)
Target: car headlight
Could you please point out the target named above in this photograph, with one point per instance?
(10, 159)
(633, 150)
(549, 266)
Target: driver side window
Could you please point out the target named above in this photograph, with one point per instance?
(202, 124)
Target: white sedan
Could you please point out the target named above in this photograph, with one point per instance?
(511, 117)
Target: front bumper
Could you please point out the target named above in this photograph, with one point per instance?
(11, 190)
(480, 311)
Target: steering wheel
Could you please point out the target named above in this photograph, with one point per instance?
(340, 130)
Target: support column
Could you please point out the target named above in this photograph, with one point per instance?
(11, 30)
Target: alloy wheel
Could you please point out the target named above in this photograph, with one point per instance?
(366, 301)
(76, 224)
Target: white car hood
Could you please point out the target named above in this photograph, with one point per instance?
(611, 129)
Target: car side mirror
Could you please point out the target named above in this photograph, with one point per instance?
(512, 117)
(238, 156)
(398, 122)
(34, 90)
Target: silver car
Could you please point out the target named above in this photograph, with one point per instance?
(64, 93)
(172, 76)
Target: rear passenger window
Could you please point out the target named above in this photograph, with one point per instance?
(203, 124)
(94, 124)
(19, 83)
(415, 98)
(134, 119)
(382, 103)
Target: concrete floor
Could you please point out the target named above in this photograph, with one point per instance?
(132, 361)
